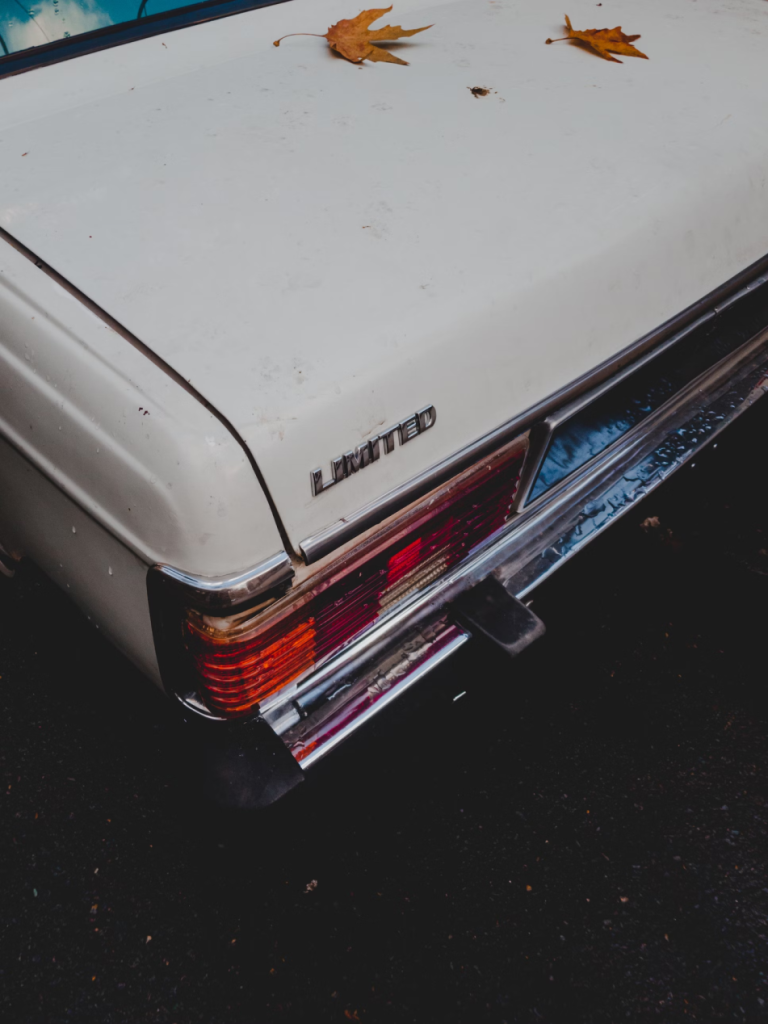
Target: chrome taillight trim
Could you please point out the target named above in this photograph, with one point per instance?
(583, 388)
(219, 593)
(173, 593)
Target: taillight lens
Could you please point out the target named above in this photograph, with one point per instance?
(243, 660)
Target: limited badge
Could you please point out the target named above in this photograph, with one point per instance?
(369, 451)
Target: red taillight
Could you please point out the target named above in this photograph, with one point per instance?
(243, 660)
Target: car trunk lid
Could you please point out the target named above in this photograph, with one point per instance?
(323, 250)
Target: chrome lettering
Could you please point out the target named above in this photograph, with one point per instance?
(388, 439)
(358, 459)
(427, 417)
(408, 428)
(316, 478)
(364, 454)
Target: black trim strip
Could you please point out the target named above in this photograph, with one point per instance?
(125, 32)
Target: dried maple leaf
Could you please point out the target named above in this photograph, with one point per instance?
(352, 38)
(604, 41)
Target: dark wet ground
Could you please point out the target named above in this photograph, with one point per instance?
(582, 838)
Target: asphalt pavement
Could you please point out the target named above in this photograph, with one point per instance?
(581, 837)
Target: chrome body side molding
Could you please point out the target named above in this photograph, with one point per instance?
(571, 397)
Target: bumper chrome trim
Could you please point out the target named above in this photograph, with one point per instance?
(223, 592)
(536, 541)
(384, 680)
(559, 523)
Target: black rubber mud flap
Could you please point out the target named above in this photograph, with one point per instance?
(491, 610)
(239, 764)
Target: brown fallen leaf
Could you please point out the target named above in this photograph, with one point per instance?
(352, 38)
(604, 41)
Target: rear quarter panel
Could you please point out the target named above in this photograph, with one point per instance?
(107, 463)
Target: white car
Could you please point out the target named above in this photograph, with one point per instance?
(309, 371)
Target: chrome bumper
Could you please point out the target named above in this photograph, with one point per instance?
(415, 638)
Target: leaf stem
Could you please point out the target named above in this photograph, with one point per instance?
(316, 34)
(562, 39)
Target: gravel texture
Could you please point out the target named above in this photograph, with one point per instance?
(580, 838)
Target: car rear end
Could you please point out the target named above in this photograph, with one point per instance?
(445, 339)
(317, 650)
